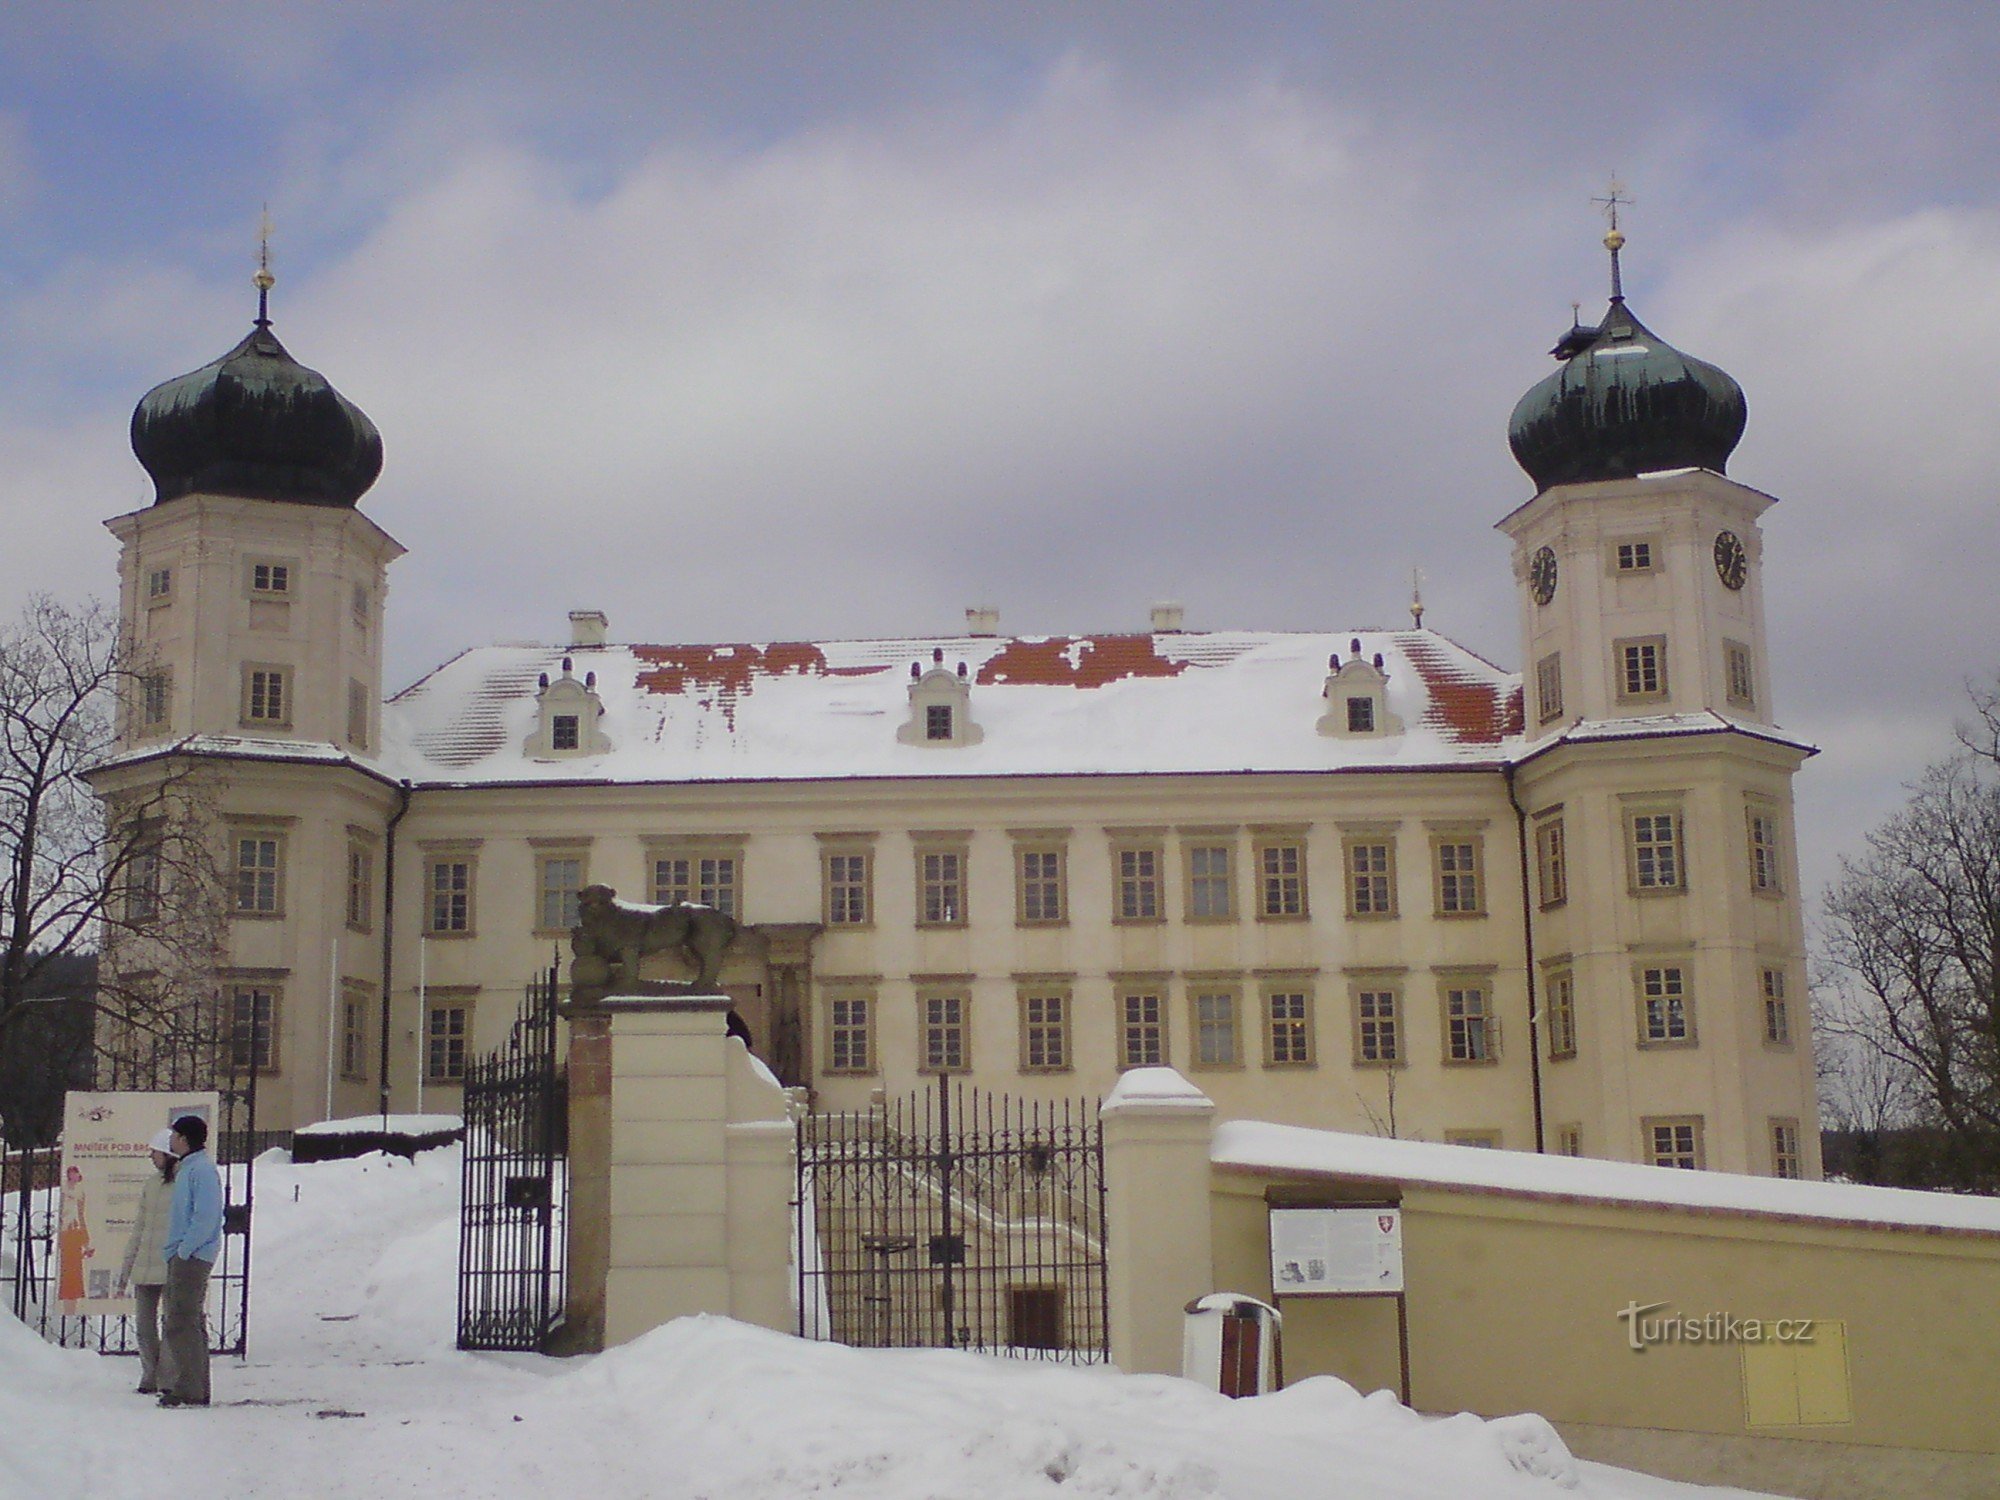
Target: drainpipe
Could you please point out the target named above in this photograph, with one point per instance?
(389, 935)
(1528, 950)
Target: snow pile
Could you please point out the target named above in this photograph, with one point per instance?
(352, 1389)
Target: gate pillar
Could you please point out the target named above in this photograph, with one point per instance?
(1158, 1235)
(589, 1069)
(695, 1211)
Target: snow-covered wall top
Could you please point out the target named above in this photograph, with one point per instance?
(1171, 702)
(1287, 1148)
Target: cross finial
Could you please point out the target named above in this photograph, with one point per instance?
(1614, 240)
(264, 280)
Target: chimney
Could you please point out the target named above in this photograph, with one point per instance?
(587, 627)
(982, 619)
(1167, 618)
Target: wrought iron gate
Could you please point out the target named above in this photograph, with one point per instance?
(512, 1216)
(955, 1218)
(194, 1050)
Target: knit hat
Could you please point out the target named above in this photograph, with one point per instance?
(162, 1141)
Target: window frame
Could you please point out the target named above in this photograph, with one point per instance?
(1652, 1153)
(255, 692)
(1559, 1005)
(156, 700)
(280, 578)
(260, 908)
(1303, 1027)
(1779, 1127)
(1776, 1005)
(1624, 556)
(546, 855)
(1350, 847)
(1127, 887)
(1057, 882)
(1662, 1037)
(1269, 880)
(1199, 888)
(1551, 861)
(1125, 995)
(1639, 879)
(940, 723)
(1043, 1029)
(1201, 1028)
(1549, 688)
(1458, 1050)
(448, 1046)
(933, 1027)
(158, 584)
(1366, 993)
(1443, 879)
(1627, 655)
(1569, 1140)
(359, 885)
(943, 883)
(854, 1027)
(434, 860)
(1739, 674)
(713, 875)
(265, 1033)
(1766, 857)
(842, 889)
(354, 1009)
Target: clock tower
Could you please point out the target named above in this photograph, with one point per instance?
(1655, 784)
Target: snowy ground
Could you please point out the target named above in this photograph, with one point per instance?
(353, 1389)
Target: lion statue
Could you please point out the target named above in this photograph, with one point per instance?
(612, 937)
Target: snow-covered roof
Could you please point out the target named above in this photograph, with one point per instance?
(1047, 705)
(1288, 1148)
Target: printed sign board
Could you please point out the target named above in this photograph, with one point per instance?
(1336, 1252)
(105, 1163)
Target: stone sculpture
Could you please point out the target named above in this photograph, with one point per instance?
(612, 937)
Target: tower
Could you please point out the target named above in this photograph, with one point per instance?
(1656, 785)
(251, 592)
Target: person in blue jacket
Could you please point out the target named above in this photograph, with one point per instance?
(194, 1239)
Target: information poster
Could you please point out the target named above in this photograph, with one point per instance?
(105, 1163)
(1336, 1252)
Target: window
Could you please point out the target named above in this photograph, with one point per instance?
(253, 1029)
(697, 878)
(1635, 557)
(1468, 1023)
(1674, 1142)
(267, 697)
(1281, 881)
(1777, 1015)
(142, 884)
(1039, 882)
(560, 877)
(1552, 862)
(1371, 878)
(354, 1034)
(1655, 839)
(940, 888)
(156, 696)
(947, 1045)
(1561, 1009)
(1642, 668)
(565, 732)
(1360, 715)
(360, 886)
(357, 715)
(270, 578)
(1484, 1140)
(1138, 884)
(159, 585)
(848, 893)
(1142, 1029)
(1044, 1030)
(1549, 687)
(1459, 891)
(1764, 854)
(1742, 684)
(360, 604)
(1569, 1140)
(1378, 1026)
(1785, 1158)
(448, 895)
(1211, 886)
(937, 721)
(259, 869)
(1215, 1029)
(444, 1042)
(1288, 1029)
(1666, 1010)
(850, 1034)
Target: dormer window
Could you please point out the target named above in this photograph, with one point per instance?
(940, 706)
(1357, 697)
(570, 713)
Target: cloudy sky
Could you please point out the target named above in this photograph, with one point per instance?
(759, 320)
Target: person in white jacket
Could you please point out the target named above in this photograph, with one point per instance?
(145, 1269)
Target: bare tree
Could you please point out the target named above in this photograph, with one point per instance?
(129, 877)
(1912, 943)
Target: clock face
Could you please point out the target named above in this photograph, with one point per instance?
(1731, 565)
(1542, 575)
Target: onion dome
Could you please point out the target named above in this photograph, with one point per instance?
(256, 423)
(1625, 402)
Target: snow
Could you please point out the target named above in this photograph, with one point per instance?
(1154, 1088)
(1265, 1147)
(353, 1389)
(384, 1125)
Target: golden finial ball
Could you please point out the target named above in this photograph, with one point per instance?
(263, 280)
(1615, 240)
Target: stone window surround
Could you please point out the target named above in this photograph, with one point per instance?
(1549, 688)
(1059, 989)
(946, 990)
(694, 847)
(354, 1039)
(1649, 1143)
(1207, 837)
(1044, 841)
(248, 983)
(1358, 835)
(545, 850)
(277, 827)
(953, 843)
(360, 841)
(850, 991)
(1458, 832)
(446, 998)
(1680, 962)
(1468, 978)
(1772, 885)
(1268, 838)
(435, 852)
(1636, 805)
(287, 591)
(1269, 987)
(1227, 988)
(1127, 987)
(1381, 980)
(1147, 840)
(1551, 834)
(850, 844)
(285, 682)
(1622, 667)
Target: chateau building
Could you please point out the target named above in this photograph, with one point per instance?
(1359, 878)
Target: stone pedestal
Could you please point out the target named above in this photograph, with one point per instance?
(1157, 1222)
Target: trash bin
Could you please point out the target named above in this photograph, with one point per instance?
(1229, 1343)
